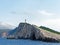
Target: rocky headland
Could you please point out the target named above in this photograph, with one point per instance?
(28, 31)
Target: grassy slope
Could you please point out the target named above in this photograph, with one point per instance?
(48, 29)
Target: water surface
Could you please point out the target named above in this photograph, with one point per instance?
(24, 42)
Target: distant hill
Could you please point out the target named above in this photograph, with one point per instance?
(48, 29)
(4, 27)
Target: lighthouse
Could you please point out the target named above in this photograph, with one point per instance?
(25, 20)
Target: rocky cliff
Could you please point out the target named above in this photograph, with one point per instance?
(28, 31)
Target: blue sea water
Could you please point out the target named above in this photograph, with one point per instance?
(24, 42)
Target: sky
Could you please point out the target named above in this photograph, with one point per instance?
(38, 12)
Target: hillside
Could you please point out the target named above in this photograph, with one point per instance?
(50, 34)
(48, 29)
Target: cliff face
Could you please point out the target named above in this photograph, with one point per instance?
(28, 31)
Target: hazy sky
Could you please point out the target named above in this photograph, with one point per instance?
(38, 12)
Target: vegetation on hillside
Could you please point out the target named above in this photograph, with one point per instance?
(48, 29)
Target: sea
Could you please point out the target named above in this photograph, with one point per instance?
(24, 42)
